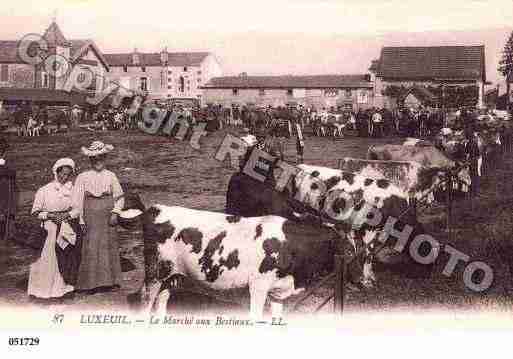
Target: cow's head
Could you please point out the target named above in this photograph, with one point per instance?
(130, 216)
(329, 199)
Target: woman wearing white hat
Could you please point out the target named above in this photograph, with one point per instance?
(52, 205)
(98, 197)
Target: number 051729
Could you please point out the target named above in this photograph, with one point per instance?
(24, 341)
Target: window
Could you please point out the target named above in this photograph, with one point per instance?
(185, 69)
(144, 84)
(45, 80)
(290, 92)
(181, 84)
(331, 92)
(169, 87)
(199, 73)
(363, 96)
(261, 92)
(348, 93)
(143, 68)
(81, 77)
(125, 68)
(169, 72)
(199, 80)
(235, 92)
(4, 73)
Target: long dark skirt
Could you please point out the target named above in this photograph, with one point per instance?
(100, 265)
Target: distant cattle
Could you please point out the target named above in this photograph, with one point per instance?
(428, 157)
(271, 255)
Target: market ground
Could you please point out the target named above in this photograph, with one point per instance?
(169, 171)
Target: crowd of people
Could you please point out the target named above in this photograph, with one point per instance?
(333, 122)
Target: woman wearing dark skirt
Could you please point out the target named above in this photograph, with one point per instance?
(98, 197)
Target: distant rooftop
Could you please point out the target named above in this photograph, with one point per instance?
(154, 58)
(431, 63)
(269, 82)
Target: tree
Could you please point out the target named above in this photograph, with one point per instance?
(396, 92)
(506, 65)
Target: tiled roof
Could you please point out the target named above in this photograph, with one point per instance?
(318, 81)
(9, 52)
(153, 59)
(53, 35)
(438, 62)
(78, 47)
(43, 95)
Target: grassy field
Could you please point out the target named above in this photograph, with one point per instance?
(169, 171)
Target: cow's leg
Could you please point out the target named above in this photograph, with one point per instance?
(258, 290)
(161, 302)
(276, 309)
(149, 293)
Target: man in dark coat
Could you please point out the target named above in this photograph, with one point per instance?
(7, 194)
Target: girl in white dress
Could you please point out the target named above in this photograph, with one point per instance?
(52, 204)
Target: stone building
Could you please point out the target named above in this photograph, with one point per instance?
(428, 66)
(16, 73)
(164, 75)
(322, 91)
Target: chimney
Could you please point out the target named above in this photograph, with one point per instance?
(135, 57)
(164, 56)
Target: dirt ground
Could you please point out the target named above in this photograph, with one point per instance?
(170, 172)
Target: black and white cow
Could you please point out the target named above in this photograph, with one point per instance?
(374, 204)
(325, 192)
(271, 255)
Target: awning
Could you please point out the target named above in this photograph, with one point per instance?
(48, 96)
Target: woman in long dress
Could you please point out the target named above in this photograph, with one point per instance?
(52, 205)
(98, 197)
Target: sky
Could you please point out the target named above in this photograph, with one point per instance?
(272, 36)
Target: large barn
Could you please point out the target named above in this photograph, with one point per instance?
(434, 66)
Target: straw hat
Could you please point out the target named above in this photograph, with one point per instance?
(97, 148)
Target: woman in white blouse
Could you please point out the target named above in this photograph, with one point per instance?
(98, 198)
(52, 205)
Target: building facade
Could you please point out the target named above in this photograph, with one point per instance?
(322, 91)
(446, 66)
(164, 75)
(16, 73)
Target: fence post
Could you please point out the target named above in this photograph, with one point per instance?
(449, 207)
(340, 269)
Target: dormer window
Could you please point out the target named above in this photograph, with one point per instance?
(135, 57)
(185, 69)
(143, 68)
(125, 68)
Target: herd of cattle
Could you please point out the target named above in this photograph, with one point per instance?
(276, 242)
